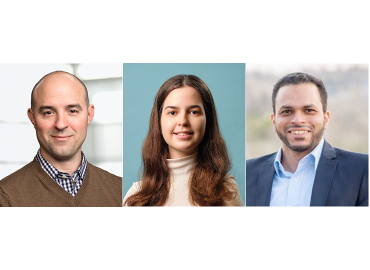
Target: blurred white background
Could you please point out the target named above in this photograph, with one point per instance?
(18, 142)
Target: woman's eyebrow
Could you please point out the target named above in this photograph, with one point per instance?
(188, 107)
(194, 106)
(171, 107)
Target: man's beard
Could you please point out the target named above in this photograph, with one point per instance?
(315, 139)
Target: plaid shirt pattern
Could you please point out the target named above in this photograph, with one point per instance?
(68, 183)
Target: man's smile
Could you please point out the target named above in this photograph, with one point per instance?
(61, 138)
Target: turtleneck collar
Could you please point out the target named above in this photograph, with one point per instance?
(182, 165)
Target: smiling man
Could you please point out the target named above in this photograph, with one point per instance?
(306, 171)
(60, 175)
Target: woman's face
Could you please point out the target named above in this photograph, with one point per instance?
(183, 121)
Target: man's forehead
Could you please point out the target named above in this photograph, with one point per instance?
(298, 96)
(298, 92)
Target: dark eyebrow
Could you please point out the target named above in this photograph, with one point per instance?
(171, 107)
(78, 106)
(309, 106)
(290, 107)
(285, 108)
(189, 107)
(43, 107)
(194, 106)
(46, 108)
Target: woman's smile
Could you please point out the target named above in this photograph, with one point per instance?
(183, 121)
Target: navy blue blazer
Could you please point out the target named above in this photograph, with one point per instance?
(341, 179)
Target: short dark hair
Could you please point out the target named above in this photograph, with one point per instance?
(58, 71)
(300, 78)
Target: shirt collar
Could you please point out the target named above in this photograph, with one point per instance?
(315, 153)
(54, 172)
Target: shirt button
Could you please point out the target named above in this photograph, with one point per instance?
(295, 179)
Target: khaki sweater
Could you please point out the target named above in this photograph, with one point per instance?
(32, 186)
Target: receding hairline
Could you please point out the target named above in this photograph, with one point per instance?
(61, 73)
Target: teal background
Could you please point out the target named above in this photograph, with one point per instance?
(140, 85)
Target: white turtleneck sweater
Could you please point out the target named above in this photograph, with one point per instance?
(180, 169)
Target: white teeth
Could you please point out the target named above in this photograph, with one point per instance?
(181, 134)
(299, 132)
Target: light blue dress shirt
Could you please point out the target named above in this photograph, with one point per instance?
(295, 189)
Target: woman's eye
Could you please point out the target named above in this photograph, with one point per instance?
(194, 112)
(172, 113)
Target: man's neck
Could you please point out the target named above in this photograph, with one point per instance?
(68, 166)
(290, 159)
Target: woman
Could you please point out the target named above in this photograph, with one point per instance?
(185, 159)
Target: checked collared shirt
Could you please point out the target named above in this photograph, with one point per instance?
(68, 183)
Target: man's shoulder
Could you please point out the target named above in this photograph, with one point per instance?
(260, 160)
(103, 174)
(19, 176)
(353, 157)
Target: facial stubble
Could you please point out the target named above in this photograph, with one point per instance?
(315, 139)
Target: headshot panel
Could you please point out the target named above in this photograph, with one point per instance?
(56, 115)
(187, 116)
(307, 135)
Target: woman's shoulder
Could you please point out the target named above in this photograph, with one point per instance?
(133, 189)
(232, 185)
(230, 182)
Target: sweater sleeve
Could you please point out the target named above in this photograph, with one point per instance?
(133, 189)
(232, 185)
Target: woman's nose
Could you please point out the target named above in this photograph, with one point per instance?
(183, 119)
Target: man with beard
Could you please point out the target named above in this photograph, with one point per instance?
(60, 174)
(306, 171)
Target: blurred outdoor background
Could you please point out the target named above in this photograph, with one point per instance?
(347, 87)
(103, 144)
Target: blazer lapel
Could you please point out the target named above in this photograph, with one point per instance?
(324, 175)
(264, 184)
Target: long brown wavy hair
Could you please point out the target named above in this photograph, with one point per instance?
(207, 181)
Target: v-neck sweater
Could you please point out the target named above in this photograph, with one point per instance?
(32, 186)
